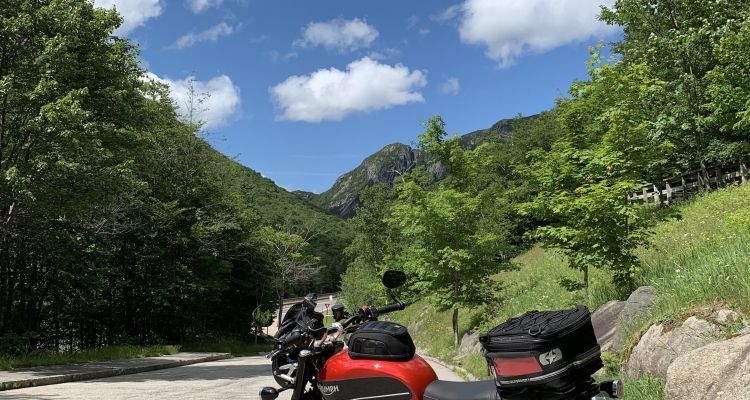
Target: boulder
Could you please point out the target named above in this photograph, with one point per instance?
(719, 370)
(469, 344)
(726, 317)
(638, 303)
(658, 348)
(604, 319)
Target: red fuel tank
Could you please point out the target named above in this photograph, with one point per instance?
(343, 378)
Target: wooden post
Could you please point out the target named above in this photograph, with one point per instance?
(684, 188)
(645, 196)
(719, 177)
(669, 192)
(743, 172)
(657, 195)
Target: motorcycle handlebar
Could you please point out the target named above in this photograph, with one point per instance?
(292, 339)
(351, 319)
(390, 307)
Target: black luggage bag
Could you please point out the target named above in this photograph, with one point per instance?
(551, 354)
(381, 340)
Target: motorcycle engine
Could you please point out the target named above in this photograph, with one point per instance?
(284, 368)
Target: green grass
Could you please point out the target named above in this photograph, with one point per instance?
(698, 264)
(235, 347)
(101, 354)
(533, 287)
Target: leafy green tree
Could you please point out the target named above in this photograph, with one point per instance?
(288, 260)
(116, 216)
(372, 249)
(71, 107)
(447, 250)
(675, 41)
(729, 92)
(602, 154)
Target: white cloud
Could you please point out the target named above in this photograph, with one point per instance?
(331, 94)
(450, 86)
(134, 12)
(338, 34)
(411, 21)
(198, 6)
(424, 32)
(275, 56)
(385, 54)
(261, 39)
(210, 34)
(223, 103)
(449, 13)
(511, 28)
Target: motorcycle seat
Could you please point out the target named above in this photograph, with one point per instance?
(446, 390)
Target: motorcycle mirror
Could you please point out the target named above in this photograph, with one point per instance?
(338, 312)
(393, 279)
(268, 393)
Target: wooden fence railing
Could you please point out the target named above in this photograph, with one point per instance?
(686, 185)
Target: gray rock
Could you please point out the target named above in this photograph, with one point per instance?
(604, 319)
(719, 370)
(639, 302)
(469, 344)
(726, 317)
(657, 349)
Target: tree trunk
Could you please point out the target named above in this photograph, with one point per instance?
(281, 308)
(455, 327)
(455, 309)
(586, 279)
(706, 177)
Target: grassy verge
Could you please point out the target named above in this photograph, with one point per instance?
(102, 354)
(697, 263)
(237, 348)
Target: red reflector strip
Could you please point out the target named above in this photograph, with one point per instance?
(516, 366)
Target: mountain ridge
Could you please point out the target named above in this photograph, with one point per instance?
(386, 164)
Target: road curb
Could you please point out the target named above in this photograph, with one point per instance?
(106, 372)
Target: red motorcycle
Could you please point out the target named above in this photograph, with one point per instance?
(380, 364)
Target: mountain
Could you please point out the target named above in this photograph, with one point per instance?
(386, 165)
(381, 167)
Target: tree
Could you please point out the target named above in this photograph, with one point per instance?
(372, 249)
(729, 92)
(71, 107)
(675, 41)
(603, 153)
(288, 261)
(447, 250)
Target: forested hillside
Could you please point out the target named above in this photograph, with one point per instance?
(119, 223)
(331, 234)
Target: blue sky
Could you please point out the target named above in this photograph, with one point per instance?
(302, 91)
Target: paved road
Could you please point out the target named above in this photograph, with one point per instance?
(237, 378)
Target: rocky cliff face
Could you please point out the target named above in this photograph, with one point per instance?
(386, 165)
(382, 167)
